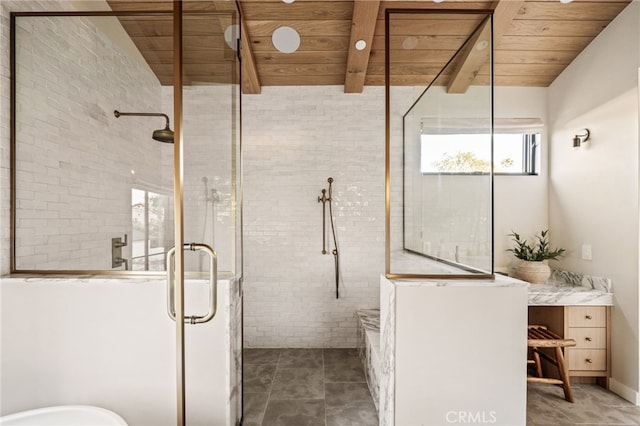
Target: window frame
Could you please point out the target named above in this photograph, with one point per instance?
(530, 167)
(147, 225)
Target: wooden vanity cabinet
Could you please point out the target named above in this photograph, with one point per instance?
(590, 327)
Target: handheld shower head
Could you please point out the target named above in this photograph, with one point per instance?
(161, 135)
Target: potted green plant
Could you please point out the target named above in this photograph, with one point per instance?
(534, 267)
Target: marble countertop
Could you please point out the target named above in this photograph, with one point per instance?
(566, 288)
(563, 294)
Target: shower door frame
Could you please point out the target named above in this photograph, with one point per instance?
(13, 138)
(176, 12)
(178, 225)
(389, 273)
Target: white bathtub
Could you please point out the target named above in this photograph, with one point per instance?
(64, 415)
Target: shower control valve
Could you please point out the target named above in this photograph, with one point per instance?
(324, 198)
(116, 252)
(117, 242)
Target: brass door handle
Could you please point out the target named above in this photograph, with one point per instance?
(213, 284)
(588, 317)
(588, 361)
(588, 339)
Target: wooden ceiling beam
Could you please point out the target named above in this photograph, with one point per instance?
(474, 56)
(250, 78)
(533, 40)
(503, 15)
(363, 25)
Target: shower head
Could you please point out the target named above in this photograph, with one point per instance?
(161, 135)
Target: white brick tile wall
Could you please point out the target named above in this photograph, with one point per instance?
(75, 160)
(6, 6)
(208, 150)
(294, 138)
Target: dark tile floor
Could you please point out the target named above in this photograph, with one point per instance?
(326, 387)
(593, 406)
(298, 387)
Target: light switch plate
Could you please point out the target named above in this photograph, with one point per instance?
(586, 252)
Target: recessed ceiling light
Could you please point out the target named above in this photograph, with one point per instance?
(231, 36)
(565, 1)
(438, 1)
(286, 39)
(288, 1)
(410, 43)
(361, 44)
(482, 45)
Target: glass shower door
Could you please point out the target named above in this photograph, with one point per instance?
(210, 218)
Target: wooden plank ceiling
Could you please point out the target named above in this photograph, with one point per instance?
(534, 40)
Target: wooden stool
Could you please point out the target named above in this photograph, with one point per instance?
(539, 337)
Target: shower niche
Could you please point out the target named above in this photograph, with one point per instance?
(439, 148)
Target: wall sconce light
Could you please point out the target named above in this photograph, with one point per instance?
(581, 138)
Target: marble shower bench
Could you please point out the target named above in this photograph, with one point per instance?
(369, 349)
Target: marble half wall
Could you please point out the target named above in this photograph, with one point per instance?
(110, 342)
(436, 334)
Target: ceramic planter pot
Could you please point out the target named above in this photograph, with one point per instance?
(533, 272)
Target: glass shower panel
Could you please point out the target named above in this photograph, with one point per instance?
(211, 216)
(93, 191)
(441, 165)
(94, 178)
(211, 137)
(93, 187)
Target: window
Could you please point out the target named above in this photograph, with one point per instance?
(513, 153)
(148, 246)
(462, 145)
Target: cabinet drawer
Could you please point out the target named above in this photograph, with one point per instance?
(588, 337)
(587, 359)
(587, 316)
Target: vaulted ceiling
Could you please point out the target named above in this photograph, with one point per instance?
(534, 40)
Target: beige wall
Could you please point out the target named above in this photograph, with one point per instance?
(520, 202)
(593, 197)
